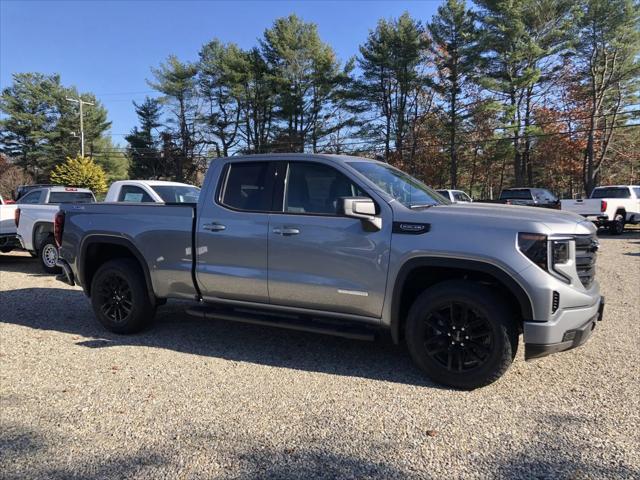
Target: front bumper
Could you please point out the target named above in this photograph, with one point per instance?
(543, 337)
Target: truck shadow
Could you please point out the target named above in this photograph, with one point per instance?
(69, 311)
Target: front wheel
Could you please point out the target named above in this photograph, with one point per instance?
(48, 254)
(119, 297)
(461, 335)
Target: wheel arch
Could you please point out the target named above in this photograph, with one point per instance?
(39, 232)
(98, 249)
(420, 273)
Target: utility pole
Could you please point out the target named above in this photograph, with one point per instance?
(80, 102)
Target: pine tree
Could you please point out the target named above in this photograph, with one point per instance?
(144, 144)
(391, 61)
(454, 49)
(607, 56)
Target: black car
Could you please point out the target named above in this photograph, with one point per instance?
(532, 197)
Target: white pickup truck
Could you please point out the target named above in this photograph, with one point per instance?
(610, 206)
(151, 191)
(34, 219)
(8, 236)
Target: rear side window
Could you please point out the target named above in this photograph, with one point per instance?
(314, 188)
(31, 198)
(246, 187)
(70, 197)
(516, 195)
(131, 193)
(611, 192)
(637, 191)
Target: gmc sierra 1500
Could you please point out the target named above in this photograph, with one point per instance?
(347, 246)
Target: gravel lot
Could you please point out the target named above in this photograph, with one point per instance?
(213, 399)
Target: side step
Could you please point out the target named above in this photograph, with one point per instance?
(338, 328)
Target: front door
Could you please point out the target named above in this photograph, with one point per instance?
(232, 233)
(319, 259)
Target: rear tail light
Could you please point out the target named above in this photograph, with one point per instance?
(603, 206)
(16, 217)
(58, 228)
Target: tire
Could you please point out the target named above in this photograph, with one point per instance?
(616, 227)
(437, 344)
(48, 255)
(119, 297)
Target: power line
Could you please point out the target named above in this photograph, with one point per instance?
(422, 147)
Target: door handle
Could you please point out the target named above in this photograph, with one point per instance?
(286, 231)
(213, 227)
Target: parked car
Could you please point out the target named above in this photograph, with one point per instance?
(531, 197)
(157, 191)
(610, 206)
(35, 216)
(8, 235)
(347, 246)
(455, 196)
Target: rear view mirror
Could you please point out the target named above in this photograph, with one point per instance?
(362, 208)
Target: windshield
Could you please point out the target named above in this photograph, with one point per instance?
(71, 197)
(177, 193)
(515, 195)
(611, 192)
(404, 188)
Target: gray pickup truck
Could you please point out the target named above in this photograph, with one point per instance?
(346, 246)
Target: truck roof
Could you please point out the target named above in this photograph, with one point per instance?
(149, 182)
(304, 156)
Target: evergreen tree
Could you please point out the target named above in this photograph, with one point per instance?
(176, 80)
(516, 39)
(219, 84)
(391, 61)
(454, 50)
(607, 57)
(144, 144)
(305, 73)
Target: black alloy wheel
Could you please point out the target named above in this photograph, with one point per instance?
(458, 337)
(115, 297)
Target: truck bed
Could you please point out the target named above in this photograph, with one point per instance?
(162, 234)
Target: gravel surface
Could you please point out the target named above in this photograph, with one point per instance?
(213, 399)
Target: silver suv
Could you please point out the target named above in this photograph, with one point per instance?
(347, 246)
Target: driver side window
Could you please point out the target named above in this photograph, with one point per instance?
(316, 189)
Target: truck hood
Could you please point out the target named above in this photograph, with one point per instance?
(511, 217)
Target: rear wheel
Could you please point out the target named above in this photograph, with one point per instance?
(617, 226)
(461, 334)
(48, 254)
(119, 297)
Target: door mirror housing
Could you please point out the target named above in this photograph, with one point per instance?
(363, 208)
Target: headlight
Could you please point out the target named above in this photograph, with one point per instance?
(534, 247)
(560, 251)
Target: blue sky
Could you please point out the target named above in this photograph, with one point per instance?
(108, 47)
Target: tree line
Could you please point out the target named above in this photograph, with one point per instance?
(495, 94)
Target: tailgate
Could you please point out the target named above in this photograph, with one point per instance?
(586, 207)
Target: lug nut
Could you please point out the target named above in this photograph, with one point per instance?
(462, 344)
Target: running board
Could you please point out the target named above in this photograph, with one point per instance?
(338, 328)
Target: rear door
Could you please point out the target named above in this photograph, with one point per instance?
(320, 259)
(232, 232)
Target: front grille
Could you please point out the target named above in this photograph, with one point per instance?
(586, 253)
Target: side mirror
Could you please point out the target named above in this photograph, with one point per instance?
(362, 208)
